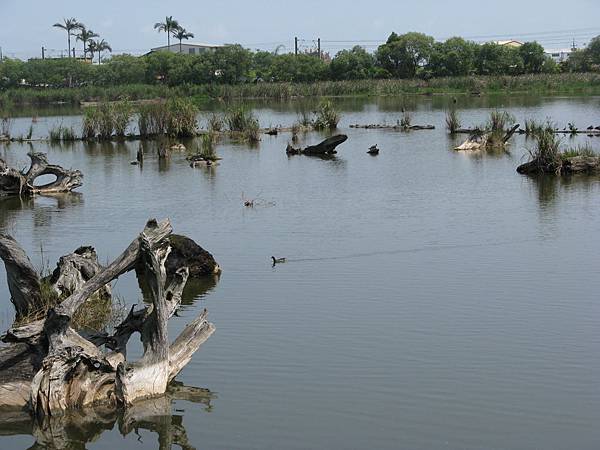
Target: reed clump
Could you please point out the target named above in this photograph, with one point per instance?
(453, 123)
(62, 133)
(326, 116)
(106, 120)
(177, 117)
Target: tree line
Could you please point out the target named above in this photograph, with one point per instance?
(410, 55)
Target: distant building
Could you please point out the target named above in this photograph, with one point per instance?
(509, 43)
(187, 48)
(559, 55)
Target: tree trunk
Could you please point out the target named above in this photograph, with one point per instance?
(50, 367)
(327, 147)
(13, 182)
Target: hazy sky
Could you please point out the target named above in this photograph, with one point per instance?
(26, 25)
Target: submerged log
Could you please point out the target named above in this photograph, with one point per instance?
(50, 367)
(13, 182)
(326, 147)
(397, 127)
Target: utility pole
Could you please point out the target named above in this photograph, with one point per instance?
(73, 52)
(296, 46)
(1, 58)
(319, 46)
(43, 52)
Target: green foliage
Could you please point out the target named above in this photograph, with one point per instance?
(215, 123)
(240, 119)
(404, 55)
(327, 118)
(299, 69)
(62, 133)
(547, 151)
(107, 119)
(355, 64)
(181, 117)
(533, 57)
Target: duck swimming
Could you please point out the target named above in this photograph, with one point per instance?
(277, 260)
(373, 150)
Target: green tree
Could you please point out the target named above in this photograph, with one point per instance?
(100, 46)
(355, 64)
(403, 55)
(262, 62)
(231, 63)
(69, 25)
(454, 57)
(593, 51)
(84, 36)
(180, 34)
(495, 59)
(12, 71)
(298, 68)
(533, 56)
(168, 26)
(122, 69)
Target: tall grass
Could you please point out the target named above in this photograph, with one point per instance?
(497, 126)
(216, 123)
(107, 120)
(406, 119)
(62, 133)
(452, 121)
(326, 116)
(177, 117)
(546, 153)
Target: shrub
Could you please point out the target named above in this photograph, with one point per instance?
(326, 116)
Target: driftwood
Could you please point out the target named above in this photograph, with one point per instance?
(327, 147)
(14, 182)
(79, 427)
(49, 366)
(562, 166)
(396, 127)
(481, 141)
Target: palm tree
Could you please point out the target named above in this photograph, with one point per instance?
(98, 46)
(168, 26)
(92, 48)
(181, 34)
(85, 36)
(69, 25)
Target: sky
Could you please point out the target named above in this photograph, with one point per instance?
(26, 25)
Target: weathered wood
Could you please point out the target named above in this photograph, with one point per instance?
(59, 369)
(326, 147)
(23, 280)
(13, 182)
(481, 140)
(396, 127)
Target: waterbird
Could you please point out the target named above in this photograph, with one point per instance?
(591, 127)
(277, 260)
(597, 128)
(373, 150)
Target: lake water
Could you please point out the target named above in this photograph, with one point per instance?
(431, 299)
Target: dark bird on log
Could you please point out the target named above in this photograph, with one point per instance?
(277, 260)
(590, 128)
(597, 128)
(373, 150)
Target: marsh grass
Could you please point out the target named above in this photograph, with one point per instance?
(326, 116)
(547, 150)
(215, 123)
(406, 119)
(62, 133)
(581, 150)
(452, 121)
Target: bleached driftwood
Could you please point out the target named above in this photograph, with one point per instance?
(483, 140)
(50, 367)
(14, 182)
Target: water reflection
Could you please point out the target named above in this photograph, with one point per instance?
(44, 208)
(77, 428)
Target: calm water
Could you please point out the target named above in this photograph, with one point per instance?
(432, 299)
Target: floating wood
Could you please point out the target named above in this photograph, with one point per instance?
(396, 127)
(49, 366)
(327, 147)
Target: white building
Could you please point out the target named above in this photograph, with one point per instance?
(188, 48)
(559, 55)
